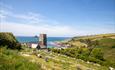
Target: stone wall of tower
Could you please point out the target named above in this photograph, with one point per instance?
(43, 41)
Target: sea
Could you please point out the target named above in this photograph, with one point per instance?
(50, 40)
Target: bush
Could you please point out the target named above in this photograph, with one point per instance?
(9, 40)
(97, 53)
(93, 59)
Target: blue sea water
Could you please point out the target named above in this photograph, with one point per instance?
(26, 39)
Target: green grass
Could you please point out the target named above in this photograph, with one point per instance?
(106, 42)
(17, 60)
(108, 46)
(11, 60)
(62, 62)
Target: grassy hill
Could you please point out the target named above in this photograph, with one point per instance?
(98, 55)
(99, 36)
(103, 44)
(31, 59)
(77, 41)
(10, 58)
(105, 41)
(108, 47)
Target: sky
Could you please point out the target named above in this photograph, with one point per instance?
(63, 18)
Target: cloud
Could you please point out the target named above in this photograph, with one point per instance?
(31, 23)
(2, 16)
(29, 30)
(26, 18)
(3, 13)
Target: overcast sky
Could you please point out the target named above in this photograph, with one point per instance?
(57, 17)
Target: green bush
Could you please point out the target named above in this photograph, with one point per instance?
(9, 40)
(97, 53)
(93, 59)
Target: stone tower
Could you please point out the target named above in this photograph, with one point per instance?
(43, 41)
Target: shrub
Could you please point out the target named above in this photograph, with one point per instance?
(97, 53)
(9, 40)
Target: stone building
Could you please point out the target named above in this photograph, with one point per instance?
(43, 41)
(41, 44)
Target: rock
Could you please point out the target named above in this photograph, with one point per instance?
(88, 62)
(110, 68)
(78, 68)
(25, 55)
(38, 55)
(97, 64)
(46, 59)
(63, 61)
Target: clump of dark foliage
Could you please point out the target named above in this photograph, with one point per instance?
(9, 40)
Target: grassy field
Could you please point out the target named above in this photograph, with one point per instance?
(11, 60)
(60, 62)
(103, 42)
(27, 59)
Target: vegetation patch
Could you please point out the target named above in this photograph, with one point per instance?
(10, 60)
(9, 40)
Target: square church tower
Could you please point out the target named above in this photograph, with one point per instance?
(43, 41)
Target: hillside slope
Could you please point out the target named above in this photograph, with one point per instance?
(98, 48)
